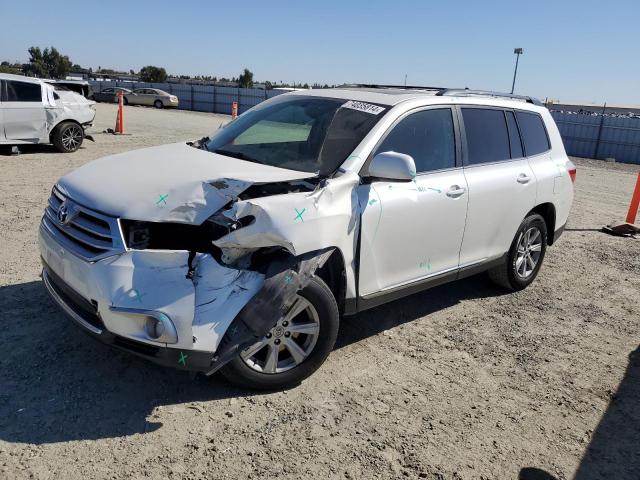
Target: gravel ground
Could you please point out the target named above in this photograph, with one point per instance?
(460, 382)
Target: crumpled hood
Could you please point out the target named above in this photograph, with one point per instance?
(174, 183)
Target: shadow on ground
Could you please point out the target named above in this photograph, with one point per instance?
(57, 384)
(614, 450)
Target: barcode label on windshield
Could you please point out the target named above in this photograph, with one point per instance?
(364, 107)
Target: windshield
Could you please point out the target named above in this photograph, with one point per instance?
(309, 134)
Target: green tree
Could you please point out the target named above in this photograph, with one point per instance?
(153, 74)
(48, 63)
(246, 79)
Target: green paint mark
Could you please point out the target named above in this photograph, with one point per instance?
(372, 201)
(183, 359)
(435, 189)
(137, 295)
(426, 265)
(288, 279)
(299, 214)
(162, 200)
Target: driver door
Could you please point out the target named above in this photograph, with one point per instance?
(412, 231)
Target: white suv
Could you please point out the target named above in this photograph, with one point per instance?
(241, 251)
(33, 111)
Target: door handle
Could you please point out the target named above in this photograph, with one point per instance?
(523, 178)
(455, 191)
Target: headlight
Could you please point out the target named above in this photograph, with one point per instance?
(173, 98)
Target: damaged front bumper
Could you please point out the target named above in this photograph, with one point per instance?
(115, 298)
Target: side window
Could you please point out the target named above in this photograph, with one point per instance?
(514, 136)
(487, 136)
(23, 92)
(428, 136)
(107, 90)
(534, 134)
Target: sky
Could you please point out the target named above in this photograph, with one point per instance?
(586, 51)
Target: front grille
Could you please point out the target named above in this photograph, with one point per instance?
(86, 233)
(82, 307)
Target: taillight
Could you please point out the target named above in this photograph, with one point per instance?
(572, 174)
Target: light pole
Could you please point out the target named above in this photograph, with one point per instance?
(518, 52)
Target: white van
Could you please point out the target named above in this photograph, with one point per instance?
(32, 111)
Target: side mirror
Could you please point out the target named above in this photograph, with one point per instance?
(392, 166)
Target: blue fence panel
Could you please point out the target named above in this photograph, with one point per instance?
(597, 136)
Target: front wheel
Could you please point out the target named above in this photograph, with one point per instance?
(158, 104)
(295, 347)
(68, 137)
(525, 255)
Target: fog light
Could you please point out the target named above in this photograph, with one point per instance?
(154, 328)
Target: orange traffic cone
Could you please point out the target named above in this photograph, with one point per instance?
(120, 116)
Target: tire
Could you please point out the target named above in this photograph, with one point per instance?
(239, 370)
(158, 104)
(517, 274)
(68, 137)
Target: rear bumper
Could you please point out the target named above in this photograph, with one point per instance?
(85, 315)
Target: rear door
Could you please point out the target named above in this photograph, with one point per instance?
(413, 230)
(502, 185)
(23, 111)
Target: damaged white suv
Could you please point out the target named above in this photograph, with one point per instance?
(241, 251)
(33, 111)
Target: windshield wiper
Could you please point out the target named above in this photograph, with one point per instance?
(202, 143)
(238, 155)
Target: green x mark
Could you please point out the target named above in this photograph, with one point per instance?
(288, 279)
(372, 201)
(138, 296)
(299, 214)
(183, 359)
(163, 199)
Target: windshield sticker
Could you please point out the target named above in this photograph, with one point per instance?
(363, 107)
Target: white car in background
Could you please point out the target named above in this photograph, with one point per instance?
(33, 111)
(241, 251)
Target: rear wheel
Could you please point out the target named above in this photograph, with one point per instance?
(68, 136)
(525, 255)
(295, 347)
(158, 104)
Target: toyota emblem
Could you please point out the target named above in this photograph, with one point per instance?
(66, 212)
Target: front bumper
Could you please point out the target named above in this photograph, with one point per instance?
(112, 298)
(85, 314)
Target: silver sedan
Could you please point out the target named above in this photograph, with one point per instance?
(151, 97)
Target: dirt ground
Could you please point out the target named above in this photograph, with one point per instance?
(459, 382)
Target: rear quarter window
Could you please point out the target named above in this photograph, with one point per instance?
(534, 135)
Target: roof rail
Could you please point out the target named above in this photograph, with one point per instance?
(465, 92)
(401, 87)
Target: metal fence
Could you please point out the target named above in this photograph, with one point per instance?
(201, 98)
(600, 136)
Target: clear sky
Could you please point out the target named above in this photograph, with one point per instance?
(573, 50)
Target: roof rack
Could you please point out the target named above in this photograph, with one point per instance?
(401, 87)
(465, 92)
(450, 92)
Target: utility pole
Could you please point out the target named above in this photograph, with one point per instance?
(518, 52)
(405, 79)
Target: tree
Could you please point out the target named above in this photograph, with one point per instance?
(153, 74)
(246, 79)
(47, 63)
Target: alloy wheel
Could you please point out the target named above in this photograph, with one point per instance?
(288, 343)
(529, 251)
(71, 138)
